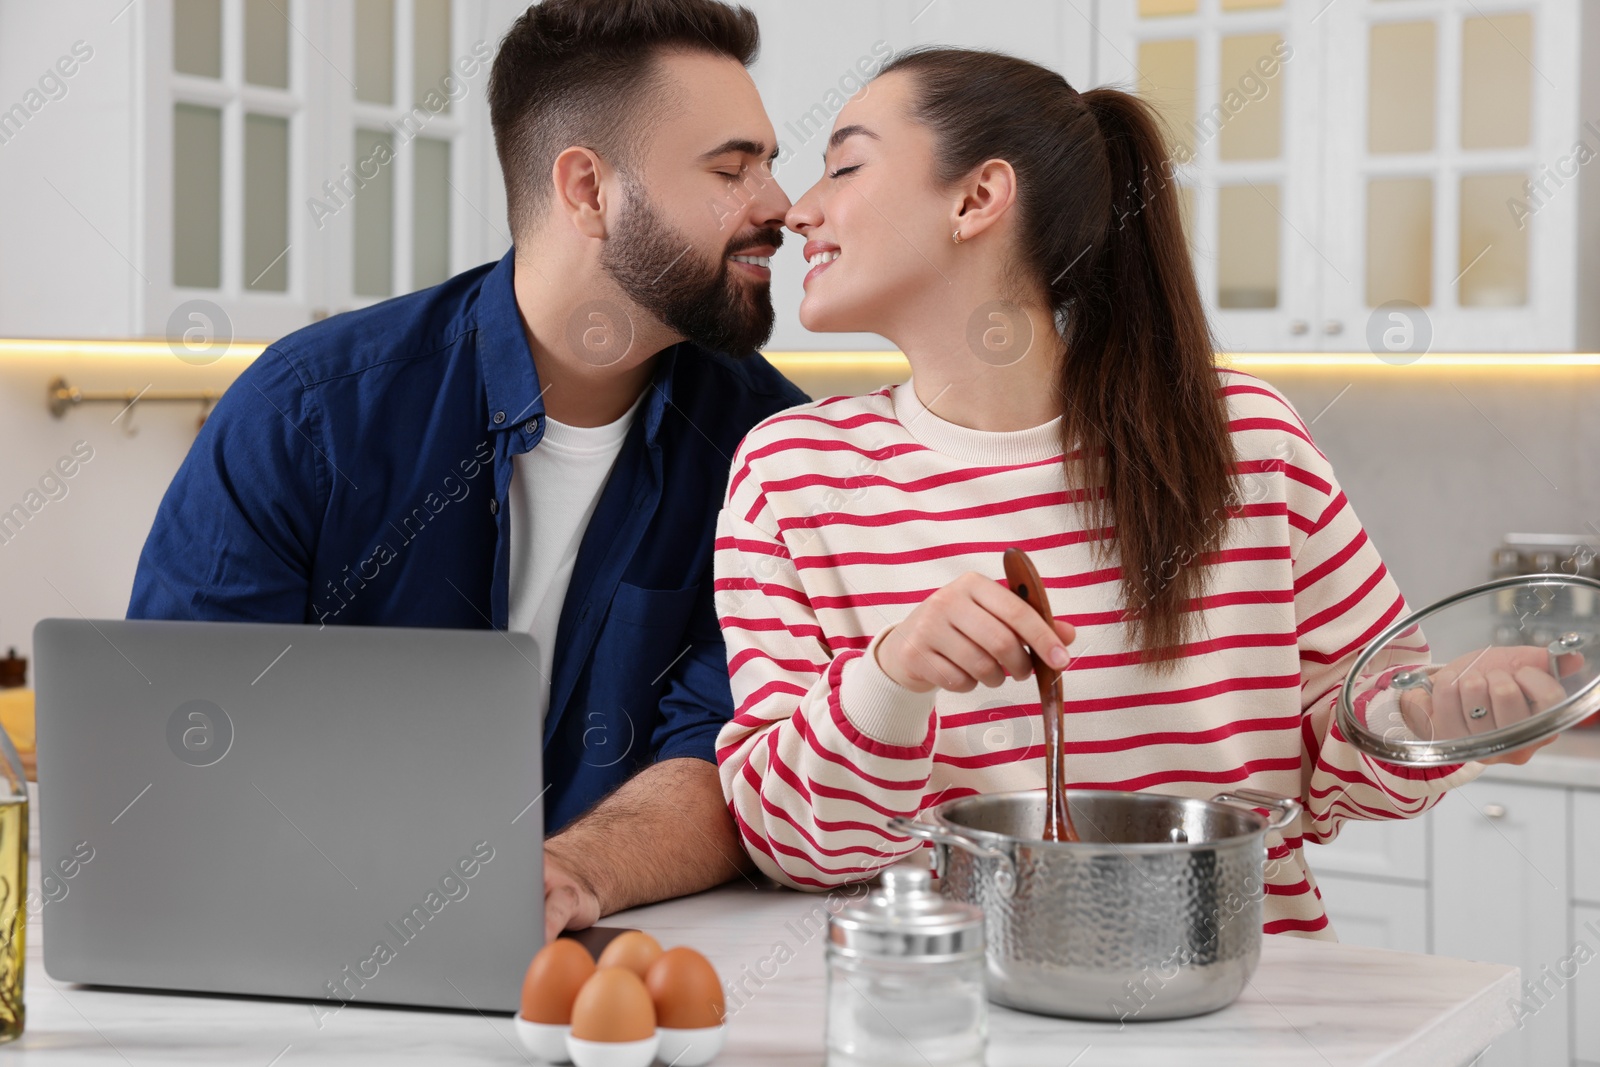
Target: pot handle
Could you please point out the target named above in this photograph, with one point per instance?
(1005, 875)
(1287, 810)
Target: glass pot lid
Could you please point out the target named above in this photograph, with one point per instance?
(1490, 670)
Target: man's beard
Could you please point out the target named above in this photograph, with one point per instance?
(658, 269)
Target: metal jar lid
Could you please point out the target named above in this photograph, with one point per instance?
(906, 920)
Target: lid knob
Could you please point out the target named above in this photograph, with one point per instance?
(904, 879)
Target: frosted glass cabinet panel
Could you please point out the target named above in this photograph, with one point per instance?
(374, 48)
(1400, 241)
(1169, 77)
(1248, 239)
(430, 211)
(196, 196)
(266, 44)
(1402, 87)
(374, 217)
(266, 203)
(1497, 75)
(1424, 155)
(197, 37)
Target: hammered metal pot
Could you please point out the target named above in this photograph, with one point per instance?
(1155, 914)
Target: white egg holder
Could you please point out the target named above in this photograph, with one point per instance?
(553, 1043)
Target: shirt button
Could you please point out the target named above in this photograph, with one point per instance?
(499, 417)
(494, 507)
(532, 426)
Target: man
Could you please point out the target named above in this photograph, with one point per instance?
(541, 443)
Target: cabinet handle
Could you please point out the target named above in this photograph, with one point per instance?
(1494, 811)
(1333, 328)
(1299, 327)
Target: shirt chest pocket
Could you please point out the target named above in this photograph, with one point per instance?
(647, 628)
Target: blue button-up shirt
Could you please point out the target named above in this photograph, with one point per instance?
(357, 473)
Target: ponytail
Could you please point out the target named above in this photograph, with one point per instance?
(1144, 420)
(1140, 384)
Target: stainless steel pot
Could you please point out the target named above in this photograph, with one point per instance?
(1155, 914)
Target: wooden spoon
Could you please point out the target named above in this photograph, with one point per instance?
(1023, 579)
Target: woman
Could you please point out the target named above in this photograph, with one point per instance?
(1019, 241)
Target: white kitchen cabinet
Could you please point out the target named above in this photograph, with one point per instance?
(1376, 914)
(1585, 854)
(1585, 983)
(1501, 894)
(1368, 190)
(239, 168)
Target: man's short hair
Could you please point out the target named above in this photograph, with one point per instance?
(584, 72)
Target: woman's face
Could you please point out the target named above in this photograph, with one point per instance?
(877, 230)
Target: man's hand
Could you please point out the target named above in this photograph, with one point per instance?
(570, 902)
(664, 833)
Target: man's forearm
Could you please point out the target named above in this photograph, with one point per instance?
(666, 832)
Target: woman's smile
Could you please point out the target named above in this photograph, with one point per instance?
(820, 255)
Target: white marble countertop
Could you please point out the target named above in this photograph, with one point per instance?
(1310, 1003)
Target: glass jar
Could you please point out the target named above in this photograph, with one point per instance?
(1507, 562)
(13, 888)
(1584, 564)
(906, 977)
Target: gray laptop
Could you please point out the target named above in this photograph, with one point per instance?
(344, 814)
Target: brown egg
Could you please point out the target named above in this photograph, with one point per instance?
(613, 1006)
(685, 989)
(554, 978)
(634, 950)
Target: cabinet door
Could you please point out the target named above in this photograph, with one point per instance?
(1585, 985)
(231, 140)
(305, 158)
(410, 195)
(1585, 857)
(1500, 877)
(1390, 849)
(1445, 111)
(1376, 914)
(1238, 82)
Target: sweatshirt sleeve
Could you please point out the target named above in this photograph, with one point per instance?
(823, 748)
(1344, 596)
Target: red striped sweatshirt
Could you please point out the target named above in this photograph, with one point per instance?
(843, 515)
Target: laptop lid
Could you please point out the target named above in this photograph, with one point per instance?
(346, 814)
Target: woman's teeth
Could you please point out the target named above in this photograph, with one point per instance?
(754, 261)
(822, 257)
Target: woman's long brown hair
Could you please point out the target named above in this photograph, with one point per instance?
(1100, 233)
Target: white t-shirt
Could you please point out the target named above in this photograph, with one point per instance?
(554, 491)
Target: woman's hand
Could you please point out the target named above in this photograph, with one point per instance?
(1488, 690)
(972, 632)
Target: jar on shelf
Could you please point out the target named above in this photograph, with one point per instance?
(906, 977)
(1506, 562)
(1586, 565)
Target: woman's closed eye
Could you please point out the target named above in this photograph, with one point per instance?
(845, 171)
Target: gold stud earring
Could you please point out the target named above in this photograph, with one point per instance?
(957, 237)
